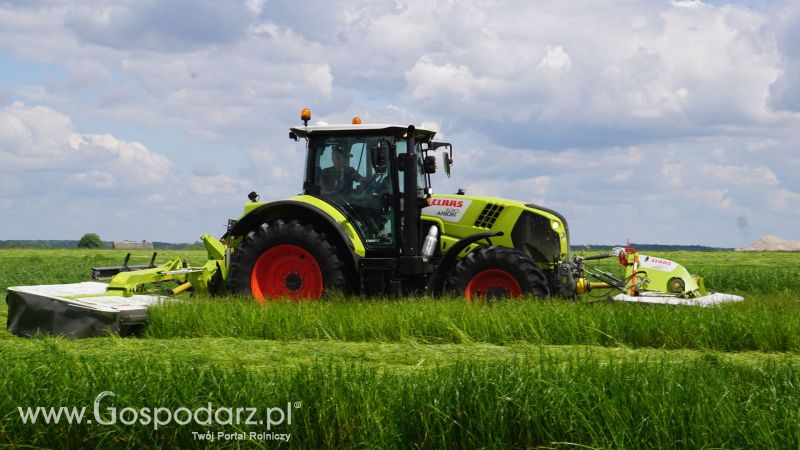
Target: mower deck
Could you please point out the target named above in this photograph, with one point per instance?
(666, 299)
(74, 310)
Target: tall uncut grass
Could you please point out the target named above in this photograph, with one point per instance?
(758, 324)
(551, 400)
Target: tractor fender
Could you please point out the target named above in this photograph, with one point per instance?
(293, 209)
(448, 262)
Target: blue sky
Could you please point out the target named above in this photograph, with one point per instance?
(661, 122)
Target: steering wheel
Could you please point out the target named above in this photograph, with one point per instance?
(371, 186)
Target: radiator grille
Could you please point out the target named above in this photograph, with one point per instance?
(489, 215)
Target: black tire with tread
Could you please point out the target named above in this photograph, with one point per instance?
(530, 278)
(279, 232)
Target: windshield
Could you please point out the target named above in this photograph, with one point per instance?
(344, 175)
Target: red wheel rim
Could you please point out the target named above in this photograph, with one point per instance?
(494, 281)
(286, 271)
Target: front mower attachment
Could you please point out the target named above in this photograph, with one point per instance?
(649, 280)
(96, 309)
(75, 310)
(667, 299)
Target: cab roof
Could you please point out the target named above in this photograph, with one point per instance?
(348, 129)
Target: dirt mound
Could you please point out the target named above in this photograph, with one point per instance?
(772, 244)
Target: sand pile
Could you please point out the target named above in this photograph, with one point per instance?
(772, 244)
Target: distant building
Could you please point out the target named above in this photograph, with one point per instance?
(132, 245)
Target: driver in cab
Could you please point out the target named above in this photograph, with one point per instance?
(339, 178)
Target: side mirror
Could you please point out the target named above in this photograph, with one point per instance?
(379, 160)
(429, 164)
(447, 163)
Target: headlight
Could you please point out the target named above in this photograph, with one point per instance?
(555, 225)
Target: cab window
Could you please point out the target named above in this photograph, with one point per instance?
(344, 176)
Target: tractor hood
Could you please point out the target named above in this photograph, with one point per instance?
(539, 232)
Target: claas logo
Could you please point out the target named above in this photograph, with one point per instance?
(446, 202)
(659, 261)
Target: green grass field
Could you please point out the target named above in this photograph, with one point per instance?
(427, 373)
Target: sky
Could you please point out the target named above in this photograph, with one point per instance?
(659, 122)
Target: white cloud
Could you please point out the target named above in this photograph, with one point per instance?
(429, 80)
(255, 6)
(98, 182)
(40, 138)
(740, 175)
(33, 137)
(533, 189)
(784, 92)
(171, 25)
(688, 4)
(556, 59)
(216, 185)
(672, 173)
(785, 202)
(94, 178)
(671, 65)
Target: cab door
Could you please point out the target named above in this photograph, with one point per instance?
(343, 173)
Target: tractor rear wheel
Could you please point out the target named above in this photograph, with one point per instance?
(498, 272)
(285, 260)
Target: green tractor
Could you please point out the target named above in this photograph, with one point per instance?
(368, 224)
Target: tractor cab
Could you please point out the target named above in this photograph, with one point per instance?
(362, 171)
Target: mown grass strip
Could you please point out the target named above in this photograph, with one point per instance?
(652, 399)
(762, 323)
(405, 356)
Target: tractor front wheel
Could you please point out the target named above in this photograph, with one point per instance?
(490, 273)
(285, 260)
